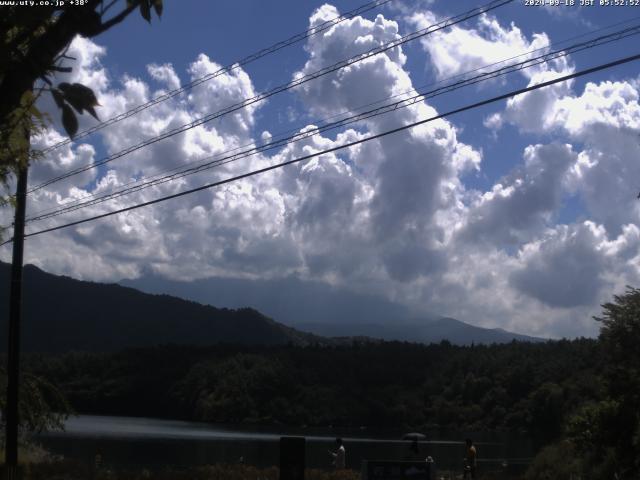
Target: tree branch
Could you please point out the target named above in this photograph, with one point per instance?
(55, 68)
(104, 9)
(115, 20)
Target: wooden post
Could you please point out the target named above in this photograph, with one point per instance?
(15, 315)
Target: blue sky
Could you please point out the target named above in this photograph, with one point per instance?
(228, 31)
(520, 215)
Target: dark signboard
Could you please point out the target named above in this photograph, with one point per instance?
(395, 470)
(292, 459)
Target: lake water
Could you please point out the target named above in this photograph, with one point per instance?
(146, 442)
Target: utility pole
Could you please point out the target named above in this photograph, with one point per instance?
(15, 316)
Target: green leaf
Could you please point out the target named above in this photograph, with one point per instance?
(93, 113)
(57, 97)
(80, 97)
(145, 10)
(69, 120)
(157, 6)
(37, 114)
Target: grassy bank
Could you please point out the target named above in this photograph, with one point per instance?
(69, 470)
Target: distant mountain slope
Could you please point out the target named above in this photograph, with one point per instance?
(61, 314)
(325, 310)
(289, 300)
(425, 331)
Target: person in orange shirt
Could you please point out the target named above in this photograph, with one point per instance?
(470, 460)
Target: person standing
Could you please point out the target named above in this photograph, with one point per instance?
(339, 456)
(413, 453)
(470, 460)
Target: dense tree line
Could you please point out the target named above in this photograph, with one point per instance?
(519, 386)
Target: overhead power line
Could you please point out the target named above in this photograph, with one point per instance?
(418, 97)
(158, 177)
(294, 83)
(226, 69)
(343, 146)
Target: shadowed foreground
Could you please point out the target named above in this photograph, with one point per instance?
(73, 470)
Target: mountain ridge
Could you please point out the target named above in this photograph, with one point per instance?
(327, 311)
(61, 313)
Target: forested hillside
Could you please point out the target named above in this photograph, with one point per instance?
(62, 314)
(519, 386)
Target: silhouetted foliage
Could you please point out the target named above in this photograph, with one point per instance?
(390, 384)
(604, 432)
(34, 43)
(41, 404)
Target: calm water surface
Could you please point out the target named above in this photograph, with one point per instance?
(126, 441)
